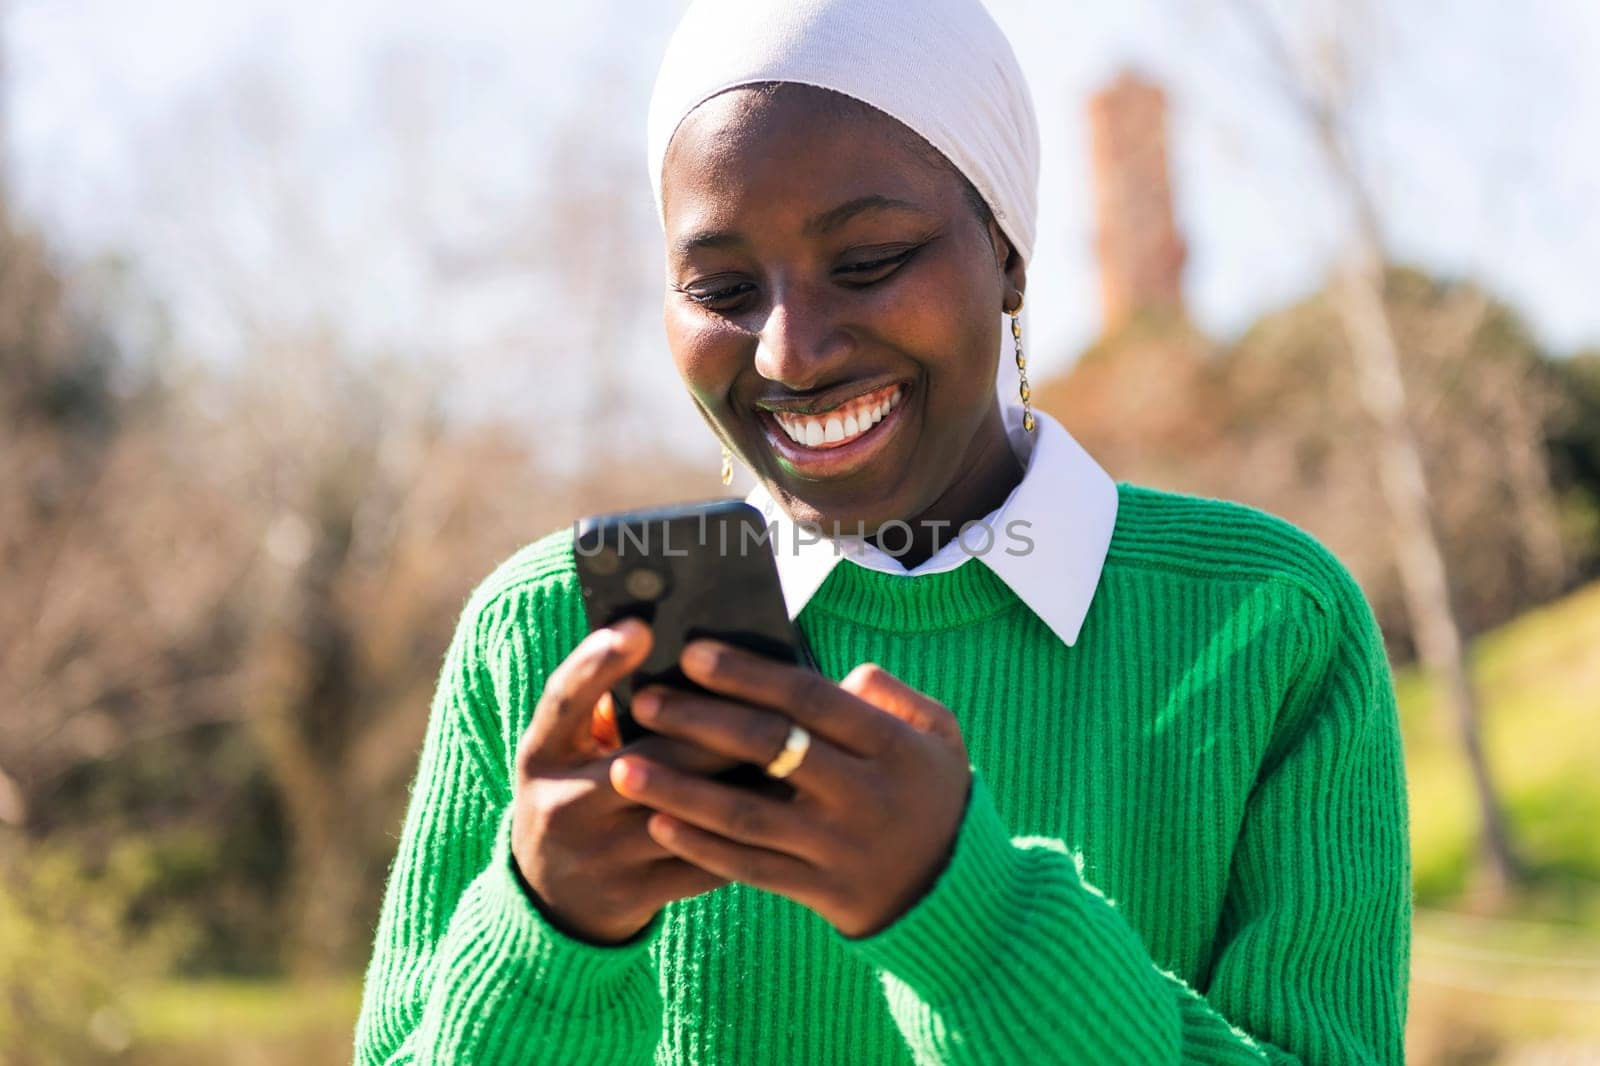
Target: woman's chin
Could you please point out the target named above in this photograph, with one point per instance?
(837, 513)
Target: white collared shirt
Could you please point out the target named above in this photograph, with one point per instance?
(1047, 541)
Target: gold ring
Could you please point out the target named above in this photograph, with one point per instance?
(793, 753)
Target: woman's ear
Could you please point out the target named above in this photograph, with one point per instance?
(1007, 259)
(1017, 273)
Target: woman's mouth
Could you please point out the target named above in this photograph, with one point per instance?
(842, 424)
(839, 440)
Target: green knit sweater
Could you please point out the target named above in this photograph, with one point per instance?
(1185, 839)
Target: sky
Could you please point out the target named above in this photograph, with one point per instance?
(399, 136)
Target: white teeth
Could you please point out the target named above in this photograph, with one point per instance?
(836, 427)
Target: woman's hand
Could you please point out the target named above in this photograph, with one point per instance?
(583, 849)
(879, 796)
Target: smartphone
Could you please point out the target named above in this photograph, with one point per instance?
(702, 569)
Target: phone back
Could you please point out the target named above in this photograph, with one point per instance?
(691, 570)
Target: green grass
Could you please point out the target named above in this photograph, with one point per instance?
(1538, 680)
(222, 1022)
(1486, 989)
(191, 1010)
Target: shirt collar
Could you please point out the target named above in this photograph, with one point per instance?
(1049, 538)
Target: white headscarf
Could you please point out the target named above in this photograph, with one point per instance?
(941, 67)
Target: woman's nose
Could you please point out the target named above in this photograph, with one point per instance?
(802, 345)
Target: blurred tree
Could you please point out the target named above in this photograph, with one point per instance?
(230, 585)
(78, 682)
(1317, 82)
(368, 510)
(375, 516)
(1274, 420)
(280, 550)
(373, 522)
(1314, 62)
(1574, 437)
(1482, 397)
(74, 451)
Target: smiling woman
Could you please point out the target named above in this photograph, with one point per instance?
(1128, 790)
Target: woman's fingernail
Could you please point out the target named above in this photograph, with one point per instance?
(627, 775)
(700, 656)
(645, 706)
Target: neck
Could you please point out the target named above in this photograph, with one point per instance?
(988, 473)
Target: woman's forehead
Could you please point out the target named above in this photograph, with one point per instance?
(751, 142)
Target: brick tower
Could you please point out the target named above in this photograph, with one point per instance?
(1141, 254)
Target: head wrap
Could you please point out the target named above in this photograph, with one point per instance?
(941, 67)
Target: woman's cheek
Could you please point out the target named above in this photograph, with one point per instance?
(707, 356)
(945, 312)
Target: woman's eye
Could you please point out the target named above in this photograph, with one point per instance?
(870, 270)
(719, 299)
(726, 298)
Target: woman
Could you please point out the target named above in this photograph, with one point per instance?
(1124, 787)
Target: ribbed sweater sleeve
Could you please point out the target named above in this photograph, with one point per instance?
(1013, 956)
(465, 969)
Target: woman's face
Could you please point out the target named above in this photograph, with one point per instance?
(832, 302)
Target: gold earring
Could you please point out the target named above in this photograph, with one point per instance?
(1022, 366)
(727, 466)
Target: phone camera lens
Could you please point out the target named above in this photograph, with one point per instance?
(605, 562)
(644, 584)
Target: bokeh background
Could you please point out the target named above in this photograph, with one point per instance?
(311, 313)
